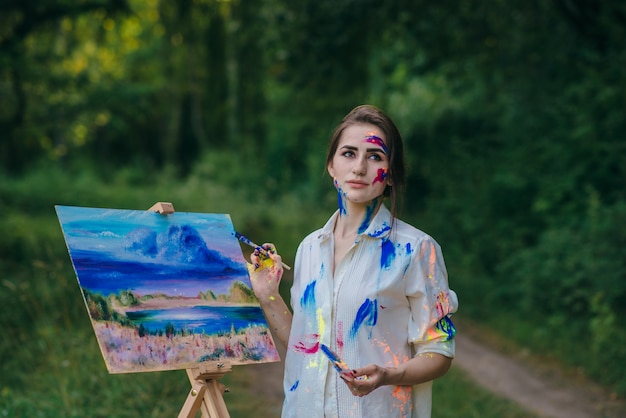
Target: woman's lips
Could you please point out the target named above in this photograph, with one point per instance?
(357, 184)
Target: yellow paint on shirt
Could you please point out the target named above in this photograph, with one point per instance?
(321, 326)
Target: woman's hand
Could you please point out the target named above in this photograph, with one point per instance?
(265, 273)
(421, 368)
(364, 380)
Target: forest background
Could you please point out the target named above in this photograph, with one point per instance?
(512, 115)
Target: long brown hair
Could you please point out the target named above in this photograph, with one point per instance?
(393, 140)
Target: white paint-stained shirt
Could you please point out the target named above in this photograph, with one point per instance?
(387, 301)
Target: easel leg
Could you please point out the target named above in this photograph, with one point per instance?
(214, 399)
(207, 393)
(194, 400)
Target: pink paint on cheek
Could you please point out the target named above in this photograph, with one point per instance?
(381, 176)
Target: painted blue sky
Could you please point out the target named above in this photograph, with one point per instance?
(178, 254)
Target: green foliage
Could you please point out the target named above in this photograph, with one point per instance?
(572, 283)
(512, 116)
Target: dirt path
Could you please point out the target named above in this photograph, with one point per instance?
(541, 388)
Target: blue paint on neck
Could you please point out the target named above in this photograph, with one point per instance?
(369, 214)
(342, 206)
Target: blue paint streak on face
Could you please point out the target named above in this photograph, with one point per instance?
(388, 253)
(373, 139)
(308, 297)
(295, 386)
(369, 214)
(367, 314)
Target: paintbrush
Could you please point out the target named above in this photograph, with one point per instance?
(262, 250)
(338, 363)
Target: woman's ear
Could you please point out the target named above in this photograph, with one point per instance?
(331, 170)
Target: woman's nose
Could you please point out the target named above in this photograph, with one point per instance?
(360, 167)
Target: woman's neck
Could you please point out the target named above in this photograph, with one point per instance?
(356, 218)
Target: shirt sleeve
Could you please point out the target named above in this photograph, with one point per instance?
(431, 301)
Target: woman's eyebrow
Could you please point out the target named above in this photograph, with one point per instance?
(353, 148)
(373, 139)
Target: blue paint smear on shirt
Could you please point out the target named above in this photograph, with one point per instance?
(295, 386)
(367, 314)
(376, 234)
(308, 297)
(446, 327)
(409, 249)
(387, 254)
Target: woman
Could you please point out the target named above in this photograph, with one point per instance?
(367, 285)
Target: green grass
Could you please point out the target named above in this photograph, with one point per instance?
(51, 365)
(455, 395)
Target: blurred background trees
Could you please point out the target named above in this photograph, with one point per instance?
(512, 114)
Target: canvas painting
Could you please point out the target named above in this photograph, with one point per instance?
(165, 292)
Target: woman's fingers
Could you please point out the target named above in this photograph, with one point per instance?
(265, 256)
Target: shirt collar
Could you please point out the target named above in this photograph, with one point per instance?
(380, 227)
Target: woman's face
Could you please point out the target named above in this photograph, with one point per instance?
(360, 166)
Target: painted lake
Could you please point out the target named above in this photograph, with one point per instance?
(199, 319)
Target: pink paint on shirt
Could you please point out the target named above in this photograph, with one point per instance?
(339, 340)
(309, 345)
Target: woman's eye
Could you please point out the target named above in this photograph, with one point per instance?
(375, 157)
(348, 154)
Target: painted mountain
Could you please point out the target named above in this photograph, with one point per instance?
(165, 292)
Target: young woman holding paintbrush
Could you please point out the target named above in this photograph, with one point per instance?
(370, 291)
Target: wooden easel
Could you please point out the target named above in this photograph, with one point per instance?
(164, 208)
(206, 393)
